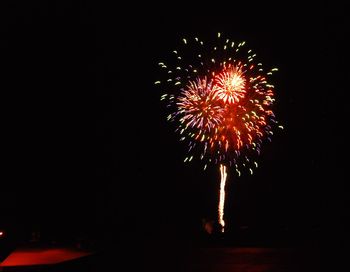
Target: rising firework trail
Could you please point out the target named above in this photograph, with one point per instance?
(221, 101)
(223, 174)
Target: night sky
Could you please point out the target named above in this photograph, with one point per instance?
(87, 149)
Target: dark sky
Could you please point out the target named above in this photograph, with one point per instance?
(86, 141)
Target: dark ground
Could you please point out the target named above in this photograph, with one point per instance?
(180, 255)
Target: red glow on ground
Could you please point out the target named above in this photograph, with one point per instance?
(42, 256)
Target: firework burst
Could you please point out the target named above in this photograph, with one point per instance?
(198, 108)
(221, 100)
(230, 85)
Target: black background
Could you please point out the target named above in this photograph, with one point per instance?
(85, 143)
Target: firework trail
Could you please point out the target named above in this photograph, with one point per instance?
(222, 195)
(221, 100)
